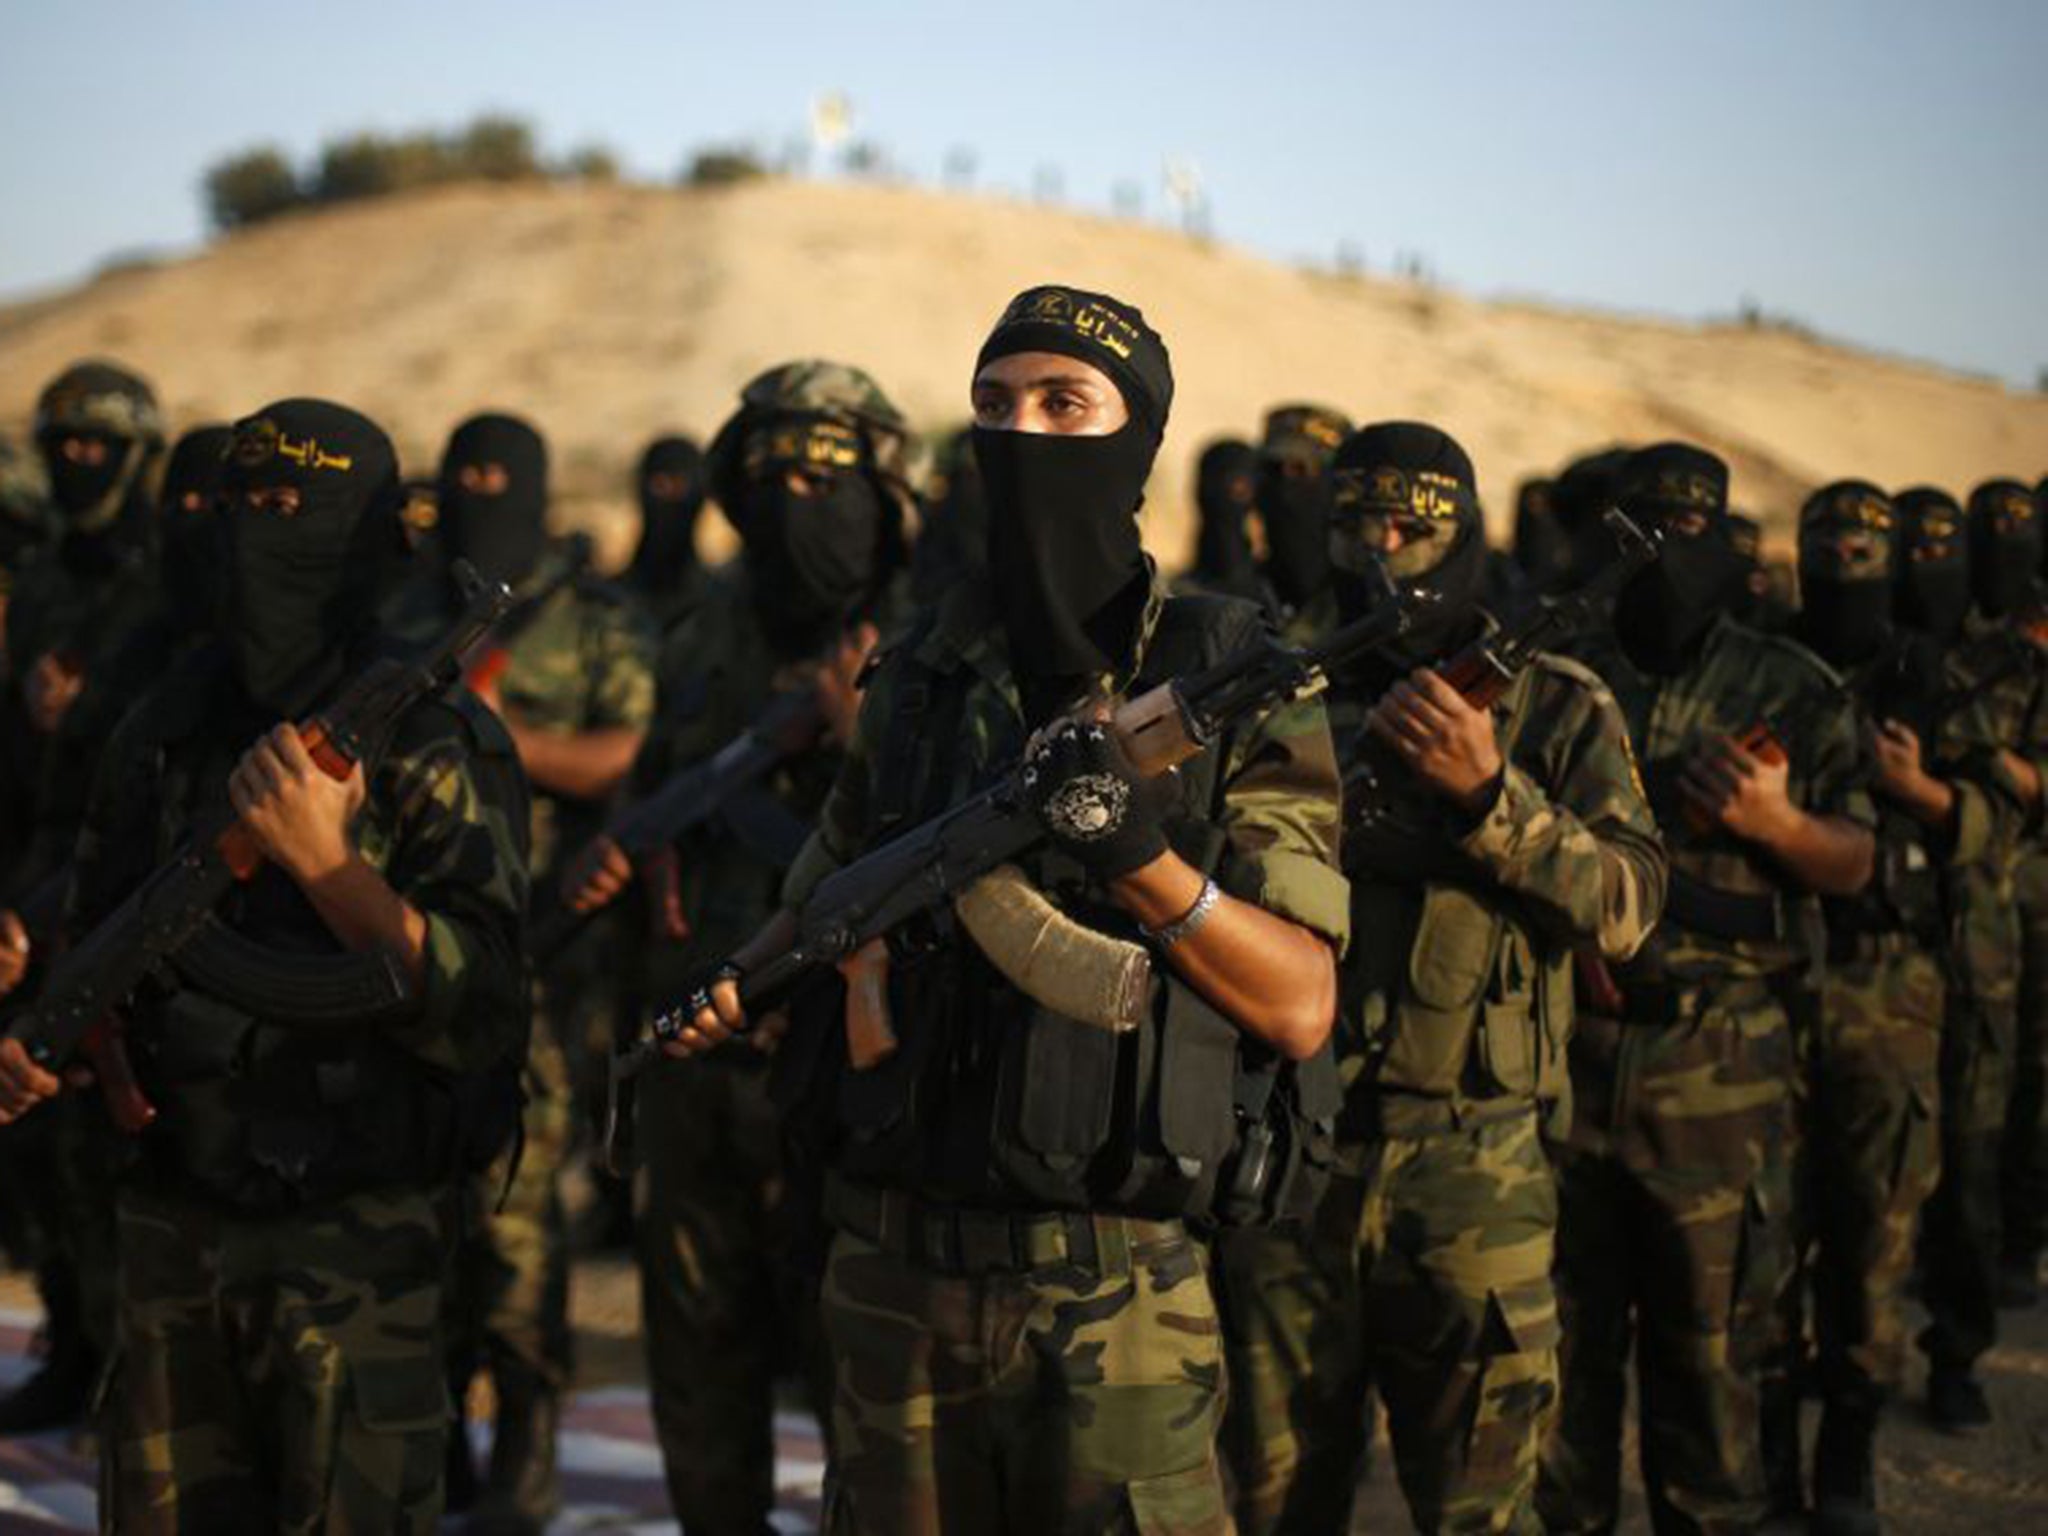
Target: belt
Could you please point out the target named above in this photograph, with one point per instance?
(1732, 916)
(1660, 1003)
(956, 1240)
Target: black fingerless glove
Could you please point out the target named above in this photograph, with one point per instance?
(1092, 801)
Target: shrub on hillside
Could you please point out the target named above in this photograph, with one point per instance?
(250, 187)
(722, 167)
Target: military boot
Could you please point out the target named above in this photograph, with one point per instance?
(522, 1488)
(1783, 1475)
(1956, 1400)
(1844, 1473)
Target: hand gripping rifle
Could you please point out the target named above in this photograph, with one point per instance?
(934, 864)
(172, 906)
(1484, 670)
(788, 726)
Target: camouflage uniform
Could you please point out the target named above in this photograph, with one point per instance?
(579, 662)
(1960, 1242)
(1076, 1383)
(1674, 1188)
(717, 1224)
(1430, 1261)
(2023, 1159)
(89, 593)
(725, 1238)
(272, 1314)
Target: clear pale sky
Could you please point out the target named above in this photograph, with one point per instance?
(1875, 168)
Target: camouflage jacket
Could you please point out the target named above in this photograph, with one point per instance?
(715, 675)
(583, 662)
(2011, 713)
(1283, 792)
(1740, 679)
(1907, 888)
(444, 821)
(1466, 927)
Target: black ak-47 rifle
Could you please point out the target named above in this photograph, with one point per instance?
(928, 866)
(171, 908)
(1484, 670)
(691, 796)
(492, 651)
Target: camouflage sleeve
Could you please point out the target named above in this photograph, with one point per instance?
(1836, 775)
(1988, 818)
(1282, 811)
(620, 657)
(1582, 849)
(460, 860)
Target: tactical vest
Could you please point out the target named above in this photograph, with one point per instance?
(992, 1100)
(1481, 1010)
(262, 1116)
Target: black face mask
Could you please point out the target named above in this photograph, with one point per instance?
(503, 534)
(1296, 512)
(1225, 486)
(1063, 549)
(79, 489)
(667, 552)
(1457, 582)
(815, 560)
(302, 589)
(1846, 622)
(2003, 572)
(1666, 609)
(1934, 597)
(193, 541)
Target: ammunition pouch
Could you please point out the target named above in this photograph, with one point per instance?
(993, 1098)
(262, 1118)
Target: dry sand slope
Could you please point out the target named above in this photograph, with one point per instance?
(608, 313)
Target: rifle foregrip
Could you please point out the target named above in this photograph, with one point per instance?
(238, 850)
(327, 756)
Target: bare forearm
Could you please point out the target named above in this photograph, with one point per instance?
(1826, 854)
(362, 910)
(583, 765)
(1274, 978)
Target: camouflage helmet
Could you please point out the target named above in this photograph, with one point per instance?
(813, 390)
(103, 400)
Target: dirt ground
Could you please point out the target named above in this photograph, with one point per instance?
(1929, 1482)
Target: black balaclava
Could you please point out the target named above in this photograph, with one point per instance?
(2005, 547)
(670, 486)
(303, 586)
(504, 534)
(1418, 477)
(1585, 490)
(99, 506)
(1664, 612)
(1064, 554)
(1746, 534)
(192, 542)
(816, 560)
(1542, 549)
(1847, 542)
(1933, 563)
(1226, 485)
(1294, 498)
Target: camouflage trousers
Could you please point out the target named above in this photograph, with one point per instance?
(2024, 1155)
(1429, 1275)
(509, 1311)
(1061, 1399)
(277, 1374)
(1293, 1360)
(1873, 1154)
(727, 1308)
(1960, 1237)
(1674, 1192)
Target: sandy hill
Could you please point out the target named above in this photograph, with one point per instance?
(609, 313)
